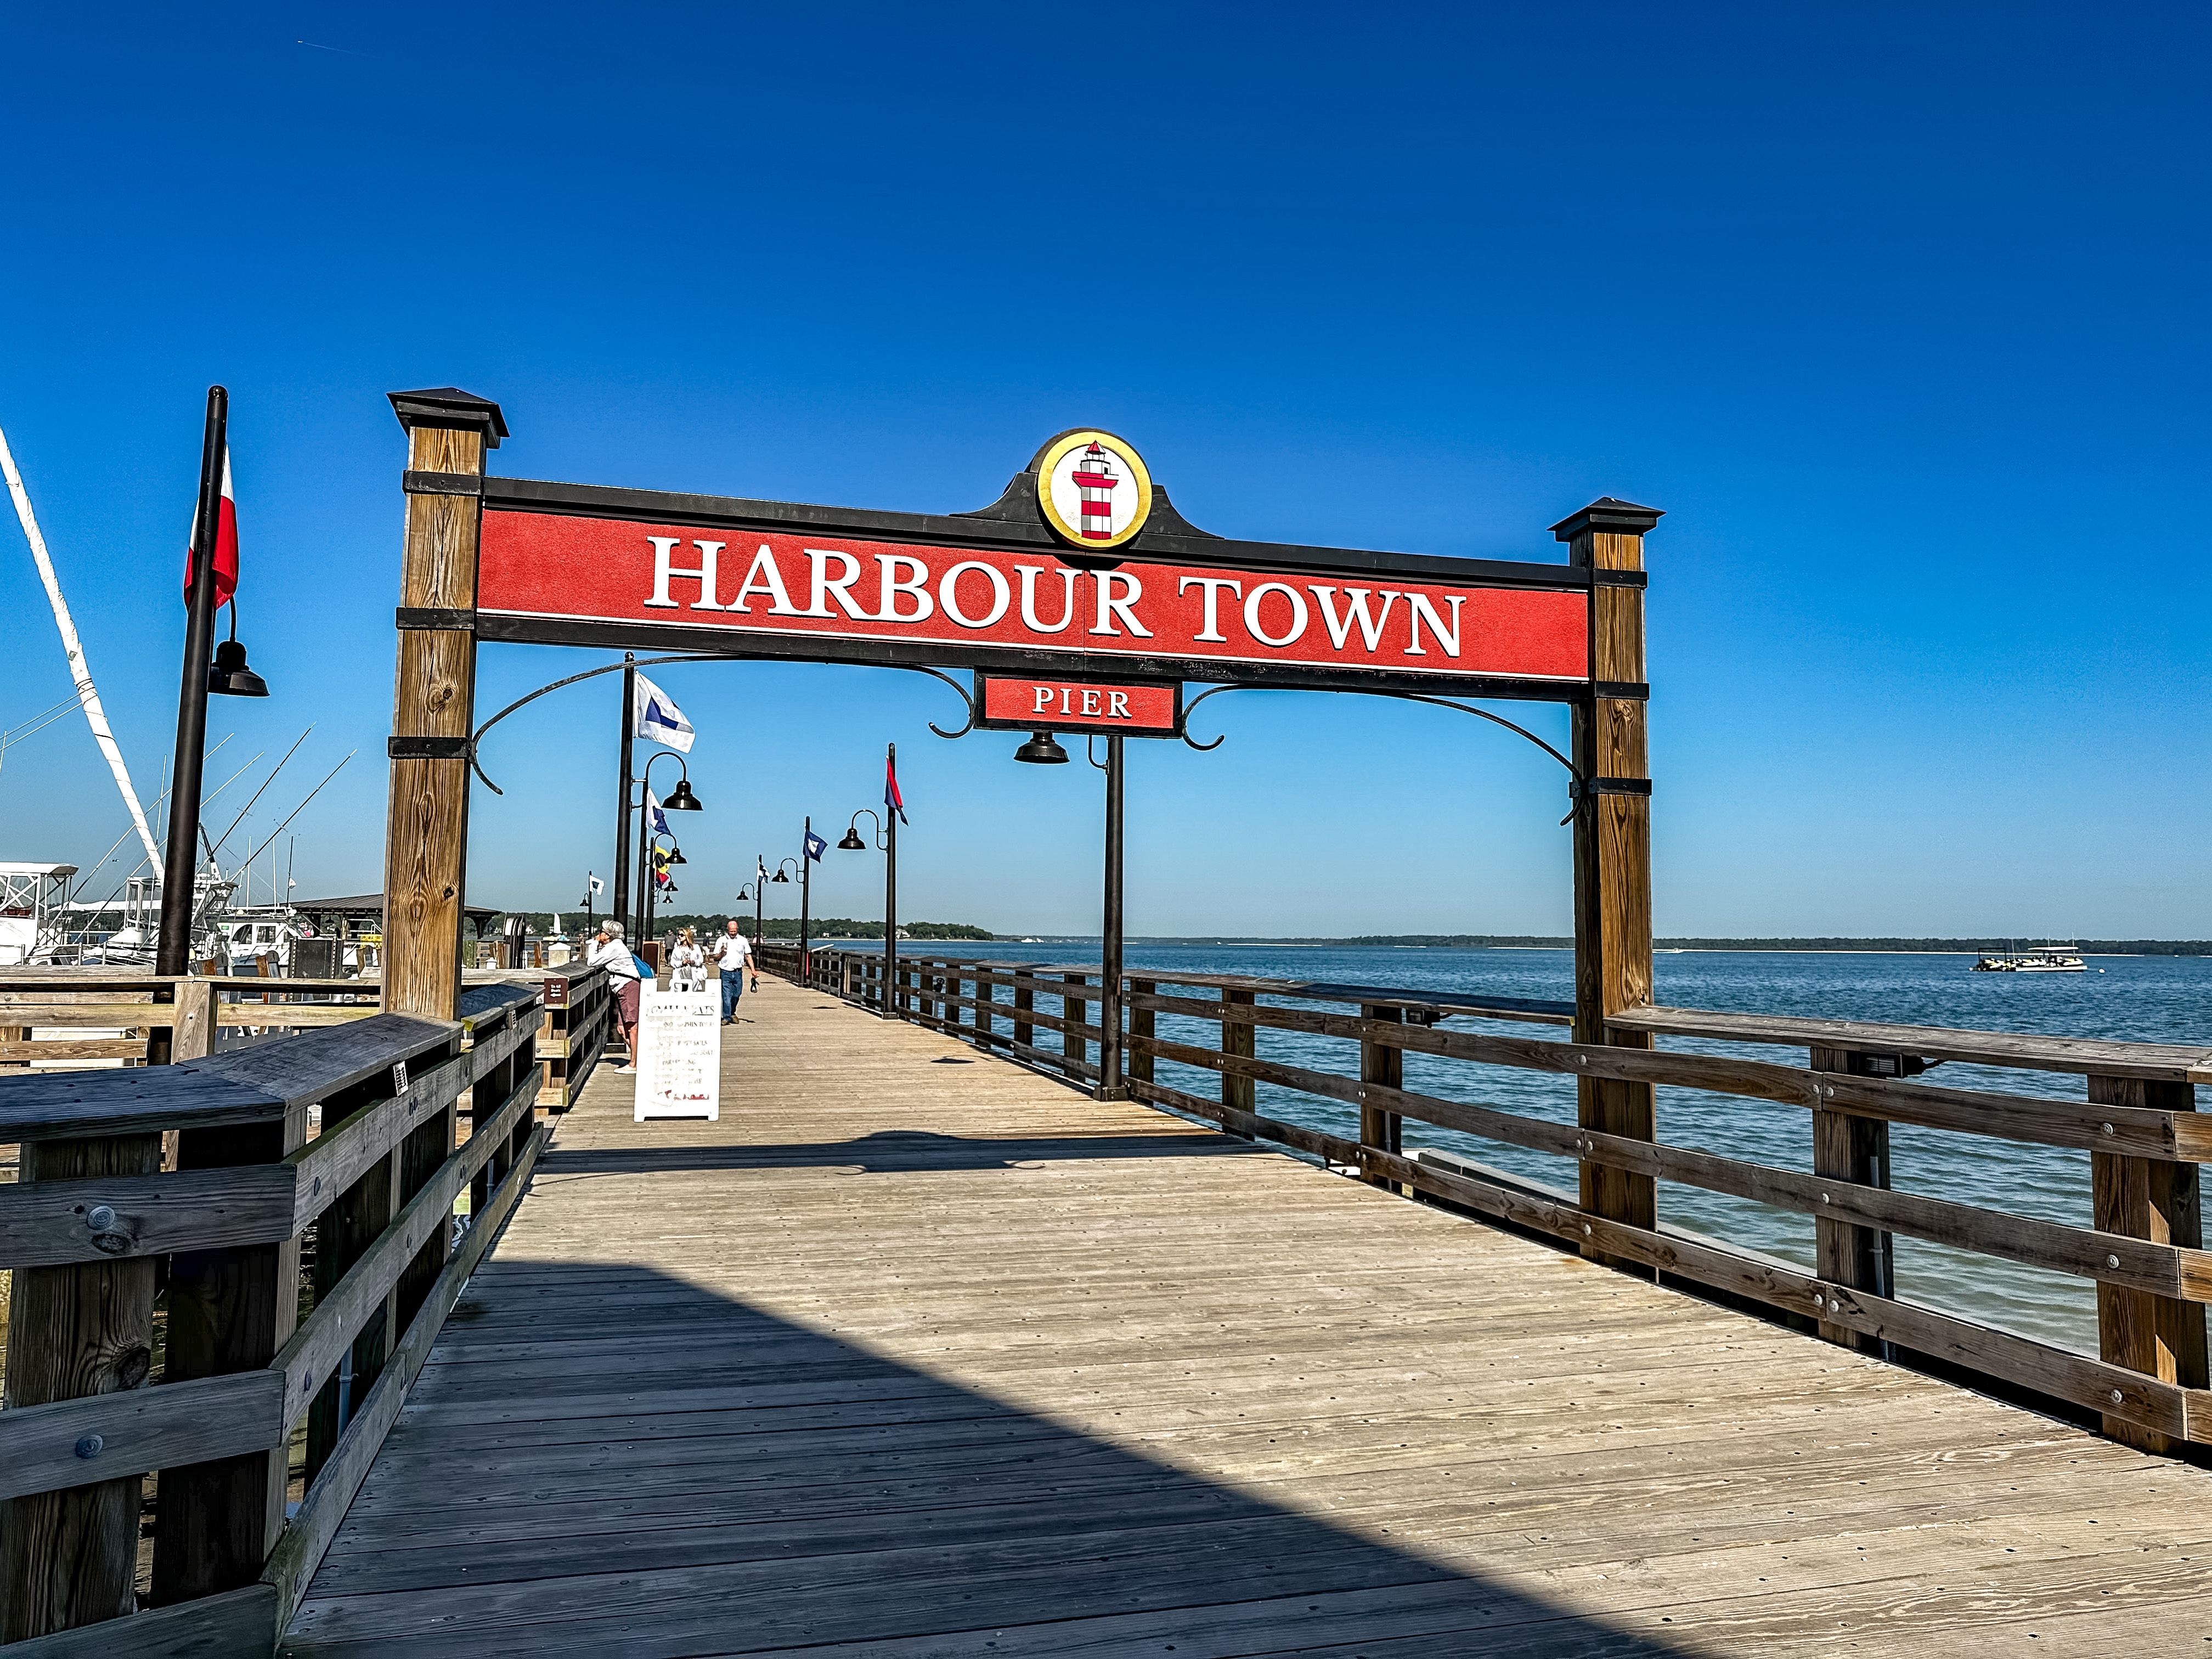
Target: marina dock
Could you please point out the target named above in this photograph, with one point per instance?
(919, 1352)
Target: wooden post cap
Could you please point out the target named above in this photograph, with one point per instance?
(1616, 517)
(450, 407)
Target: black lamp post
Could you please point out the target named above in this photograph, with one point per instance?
(886, 838)
(653, 874)
(680, 799)
(805, 897)
(1043, 749)
(228, 676)
(778, 876)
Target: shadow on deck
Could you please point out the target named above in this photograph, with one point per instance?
(609, 1461)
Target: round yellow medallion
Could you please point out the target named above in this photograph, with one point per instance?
(1093, 489)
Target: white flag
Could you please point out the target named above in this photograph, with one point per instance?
(658, 720)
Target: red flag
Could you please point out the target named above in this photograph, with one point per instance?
(226, 543)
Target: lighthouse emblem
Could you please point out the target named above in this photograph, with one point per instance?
(1092, 489)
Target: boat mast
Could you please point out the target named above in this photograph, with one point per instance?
(80, 671)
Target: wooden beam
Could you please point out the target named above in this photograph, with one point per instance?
(1612, 853)
(1854, 1149)
(1380, 1063)
(70, 1557)
(2140, 1198)
(426, 827)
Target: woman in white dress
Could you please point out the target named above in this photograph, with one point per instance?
(687, 965)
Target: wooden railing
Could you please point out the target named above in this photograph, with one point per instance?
(67, 1003)
(256, 1392)
(579, 1015)
(2137, 1118)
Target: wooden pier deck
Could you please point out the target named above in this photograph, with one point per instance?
(918, 1353)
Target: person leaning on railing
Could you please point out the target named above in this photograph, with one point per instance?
(608, 951)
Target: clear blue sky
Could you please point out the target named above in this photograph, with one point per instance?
(1898, 311)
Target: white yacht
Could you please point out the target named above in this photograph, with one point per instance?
(2042, 959)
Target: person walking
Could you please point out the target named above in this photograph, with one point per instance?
(608, 951)
(733, 953)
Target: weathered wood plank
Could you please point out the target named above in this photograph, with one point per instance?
(78, 1335)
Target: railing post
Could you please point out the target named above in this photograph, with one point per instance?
(70, 1557)
(229, 1310)
(1139, 1064)
(1239, 1039)
(1072, 1009)
(1024, 1000)
(1380, 1062)
(986, 996)
(426, 825)
(1854, 1149)
(1612, 850)
(2151, 1199)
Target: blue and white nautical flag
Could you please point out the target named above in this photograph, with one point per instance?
(658, 720)
(816, 847)
(655, 819)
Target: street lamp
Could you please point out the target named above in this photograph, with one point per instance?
(1042, 749)
(680, 799)
(652, 875)
(886, 839)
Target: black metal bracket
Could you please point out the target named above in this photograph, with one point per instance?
(428, 619)
(1622, 690)
(1620, 579)
(443, 483)
(1582, 788)
(430, 748)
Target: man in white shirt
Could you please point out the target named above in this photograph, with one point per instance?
(733, 953)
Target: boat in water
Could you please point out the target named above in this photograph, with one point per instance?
(2042, 959)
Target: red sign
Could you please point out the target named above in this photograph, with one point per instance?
(553, 565)
(1030, 705)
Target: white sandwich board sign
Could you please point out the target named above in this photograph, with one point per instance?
(679, 1072)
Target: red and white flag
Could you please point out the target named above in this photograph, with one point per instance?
(226, 543)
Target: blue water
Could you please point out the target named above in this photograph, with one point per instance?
(2147, 999)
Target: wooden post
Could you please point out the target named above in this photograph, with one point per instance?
(984, 994)
(70, 1557)
(229, 1310)
(1024, 1000)
(1854, 1149)
(1141, 1025)
(2145, 1198)
(1612, 843)
(1380, 1063)
(1241, 1040)
(1072, 1009)
(434, 703)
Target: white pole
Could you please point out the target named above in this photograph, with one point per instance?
(80, 671)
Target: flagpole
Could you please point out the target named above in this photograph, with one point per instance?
(805, 891)
(181, 864)
(620, 908)
(890, 896)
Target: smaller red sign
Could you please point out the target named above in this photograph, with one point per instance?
(1052, 705)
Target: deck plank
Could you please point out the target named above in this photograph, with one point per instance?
(918, 1354)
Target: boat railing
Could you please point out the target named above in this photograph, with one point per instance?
(2134, 1116)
